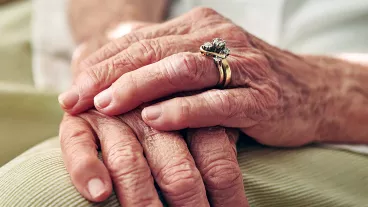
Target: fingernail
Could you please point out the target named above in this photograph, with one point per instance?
(103, 99)
(152, 112)
(96, 187)
(68, 99)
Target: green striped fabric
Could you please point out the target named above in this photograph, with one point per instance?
(310, 176)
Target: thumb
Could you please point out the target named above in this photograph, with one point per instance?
(228, 108)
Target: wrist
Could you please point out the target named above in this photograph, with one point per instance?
(337, 98)
(346, 117)
(323, 96)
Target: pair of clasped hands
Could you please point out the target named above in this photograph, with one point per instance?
(130, 98)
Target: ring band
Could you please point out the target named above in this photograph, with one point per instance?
(226, 68)
(218, 51)
(221, 72)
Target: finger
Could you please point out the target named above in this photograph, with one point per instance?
(177, 26)
(238, 108)
(171, 164)
(123, 156)
(214, 151)
(90, 82)
(177, 73)
(88, 174)
(143, 52)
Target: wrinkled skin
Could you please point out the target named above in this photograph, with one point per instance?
(134, 155)
(278, 98)
(264, 102)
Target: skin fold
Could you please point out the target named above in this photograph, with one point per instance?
(186, 169)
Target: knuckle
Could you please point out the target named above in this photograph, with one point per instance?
(146, 45)
(154, 48)
(179, 178)
(140, 53)
(191, 69)
(256, 60)
(133, 46)
(94, 76)
(124, 158)
(183, 69)
(204, 12)
(184, 109)
(75, 138)
(222, 102)
(148, 134)
(149, 48)
(71, 143)
(222, 174)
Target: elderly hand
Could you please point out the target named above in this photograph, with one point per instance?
(269, 91)
(277, 97)
(135, 154)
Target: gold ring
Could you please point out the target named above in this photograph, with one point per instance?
(218, 51)
(227, 71)
(221, 72)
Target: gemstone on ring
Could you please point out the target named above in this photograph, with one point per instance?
(218, 51)
(207, 46)
(217, 46)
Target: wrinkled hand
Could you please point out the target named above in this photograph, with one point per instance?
(134, 155)
(271, 90)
